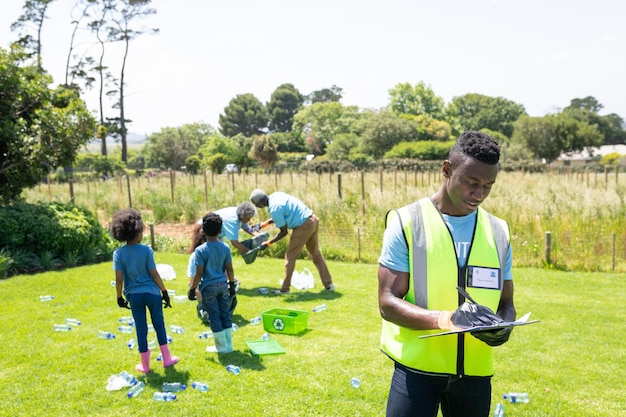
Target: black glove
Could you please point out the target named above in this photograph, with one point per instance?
(232, 288)
(122, 303)
(471, 315)
(494, 337)
(191, 294)
(255, 228)
(166, 299)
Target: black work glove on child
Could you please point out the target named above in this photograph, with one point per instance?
(232, 289)
(191, 294)
(166, 299)
(122, 303)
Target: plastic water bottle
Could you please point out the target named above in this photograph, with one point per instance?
(152, 344)
(171, 293)
(355, 382)
(131, 343)
(205, 335)
(62, 327)
(235, 327)
(136, 389)
(263, 291)
(173, 387)
(255, 320)
(319, 308)
(164, 396)
(150, 328)
(176, 329)
(200, 386)
(125, 329)
(73, 322)
(266, 336)
(46, 297)
(517, 397)
(169, 339)
(233, 369)
(113, 283)
(105, 335)
(499, 410)
(128, 378)
(159, 357)
(127, 320)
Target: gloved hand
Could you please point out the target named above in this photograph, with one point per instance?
(191, 294)
(232, 288)
(466, 316)
(255, 228)
(264, 245)
(494, 337)
(266, 223)
(166, 299)
(122, 303)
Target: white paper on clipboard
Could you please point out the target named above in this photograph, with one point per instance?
(521, 322)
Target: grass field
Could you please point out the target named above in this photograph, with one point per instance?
(572, 363)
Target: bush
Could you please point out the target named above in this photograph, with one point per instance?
(424, 150)
(51, 235)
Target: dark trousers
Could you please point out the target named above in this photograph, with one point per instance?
(418, 395)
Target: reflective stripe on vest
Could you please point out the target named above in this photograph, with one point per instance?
(432, 254)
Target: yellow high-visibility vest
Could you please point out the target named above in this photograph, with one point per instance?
(434, 275)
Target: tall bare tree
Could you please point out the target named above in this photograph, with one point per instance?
(34, 15)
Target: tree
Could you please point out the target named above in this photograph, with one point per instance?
(340, 148)
(320, 123)
(171, 147)
(325, 95)
(416, 100)
(384, 130)
(549, 136)
(284, 103)
(476, 111)
(586, 110)
(40, 128)
(264, 151)
(35, 14)
(244, 114)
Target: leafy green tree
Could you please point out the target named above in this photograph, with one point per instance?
(289, 141)
(216, 162)
(476, 111)
(170, 147)
(320, 123)
(549, 136)
(264, 151)
(284, 103)
(40, 128)
(423, 150)
(384, 130)
(325, 95)
(587, 110)
(429, 128)
(193, 164)
(32, 19)
(416, 100)
(340, 148)
(244, 114)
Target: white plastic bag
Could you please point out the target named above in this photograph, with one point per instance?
(116, 383)
(302, 280)
(166, 271)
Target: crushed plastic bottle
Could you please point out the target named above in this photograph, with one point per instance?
(200, 386)
(499, 410)
(173, 387)
(263, 291)
(105, 335)
(73, 322)
(265, 336)
(205, 335)
(136, 389)
(113, 283)
(235, 327)
(255, 320)
(164, 396)
(129, 378)
(159, 357)
(62, 327)
(355, 382)
(516, 397)
(319, 308)
(46, 297)
(180, 298)
(125, 329)
(152, 344)
(131, 343)
(176, 329)
(233, 369)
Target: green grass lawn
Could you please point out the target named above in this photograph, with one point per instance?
(572, 363)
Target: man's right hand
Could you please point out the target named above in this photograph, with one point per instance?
(468, 315)
(191, 294)
(122, 303)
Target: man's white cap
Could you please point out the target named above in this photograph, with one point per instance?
(257, 196)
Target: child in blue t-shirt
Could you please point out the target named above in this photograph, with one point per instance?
(135, 268)
(216, 280)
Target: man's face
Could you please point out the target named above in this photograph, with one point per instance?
(468, 184)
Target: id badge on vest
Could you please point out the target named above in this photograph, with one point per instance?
(482, 277)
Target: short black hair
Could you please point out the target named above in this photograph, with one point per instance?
(212, 224)
(126, 224)
(477, 145)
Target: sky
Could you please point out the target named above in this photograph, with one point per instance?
(539, 53)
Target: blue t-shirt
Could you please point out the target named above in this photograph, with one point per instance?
(395, 253)
(287, 210)
(136, 262)
(230, 223)
(213, 256)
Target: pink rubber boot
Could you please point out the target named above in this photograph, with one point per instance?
(168, 360)
(144, 366)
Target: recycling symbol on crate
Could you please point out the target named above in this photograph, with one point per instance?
(279, 324)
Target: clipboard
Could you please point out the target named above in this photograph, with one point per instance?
(521, 322)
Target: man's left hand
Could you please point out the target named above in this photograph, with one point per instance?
(494, 337)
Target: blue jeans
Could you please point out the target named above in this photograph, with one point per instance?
(418, 395)
(138, 304)
(216, 302)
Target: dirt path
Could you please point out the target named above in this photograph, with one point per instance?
(173, 230)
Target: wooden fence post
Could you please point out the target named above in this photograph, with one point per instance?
(339, 185)
(548, 245)
(130, 200)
